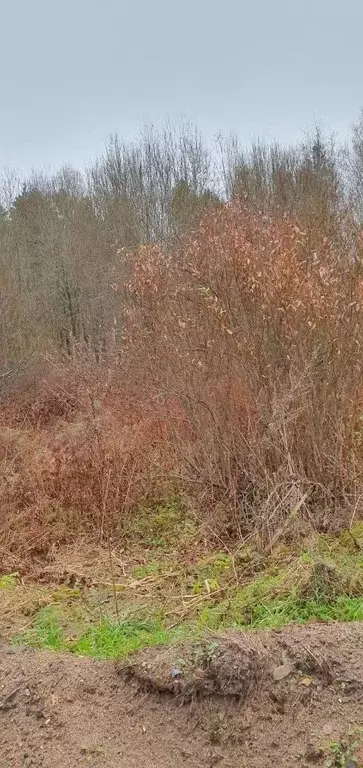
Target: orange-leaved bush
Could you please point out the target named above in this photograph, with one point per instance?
(258, 340)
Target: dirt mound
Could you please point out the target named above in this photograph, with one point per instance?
(229, 667)
(292, 697)
(244, 665)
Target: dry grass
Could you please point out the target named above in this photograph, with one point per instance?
(77, 475)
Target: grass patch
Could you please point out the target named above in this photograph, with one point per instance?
(246, 610)
(280, 612)
(110, 640)
(162, 598)
(46, 632)
(105, 640)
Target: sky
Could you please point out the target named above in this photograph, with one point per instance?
(75, 71)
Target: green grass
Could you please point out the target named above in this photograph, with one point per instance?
(108, 638)
(280, 612)
(46, 632)
(276, 612)
(104, 640)
(112, 640)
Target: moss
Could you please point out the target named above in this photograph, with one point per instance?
(143, 571)
(210, 574)
(163, 525)
(8, 580)
(65, 593)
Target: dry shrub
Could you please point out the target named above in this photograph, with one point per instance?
(80, 471)
(257, 339)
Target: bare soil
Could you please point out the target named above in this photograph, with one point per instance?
(265, 699)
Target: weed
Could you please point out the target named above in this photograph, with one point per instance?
(323, 583)
(342, 753)
(143, 571)
(204, 653)
(112, 640)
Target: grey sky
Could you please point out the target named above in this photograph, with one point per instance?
(74, 71)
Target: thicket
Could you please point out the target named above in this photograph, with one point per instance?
(186, 321)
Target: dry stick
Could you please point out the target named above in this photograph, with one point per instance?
(99, 448)
(231, 554)
(287, 522)
(120, 562)
(354, 511)
(104, 503)
(127, 494)
(113, 581)
(356, 543)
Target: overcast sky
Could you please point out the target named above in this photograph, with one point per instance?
(74, 71)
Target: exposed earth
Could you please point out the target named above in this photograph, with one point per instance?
(292, 697)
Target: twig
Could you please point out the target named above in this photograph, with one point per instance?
(104, 504)
(113, 581)
(4, 704)
(354, 511)
(356, 543)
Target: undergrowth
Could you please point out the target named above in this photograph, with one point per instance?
(234, 382)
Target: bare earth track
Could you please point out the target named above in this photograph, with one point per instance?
(61, 711)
